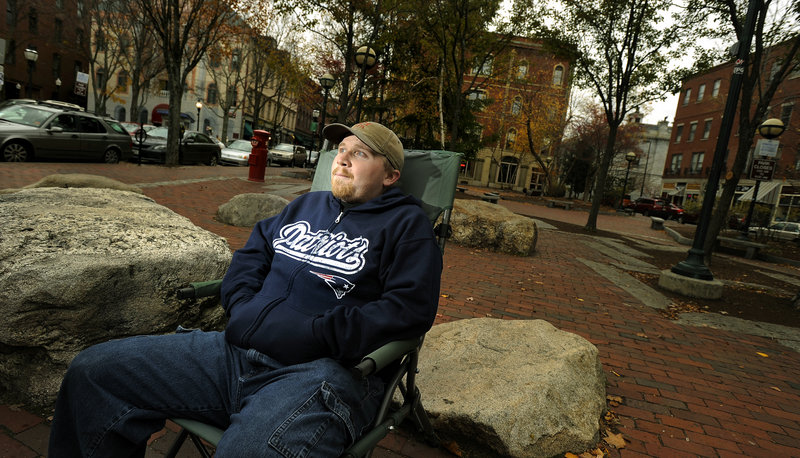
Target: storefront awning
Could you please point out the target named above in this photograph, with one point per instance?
(765, 192)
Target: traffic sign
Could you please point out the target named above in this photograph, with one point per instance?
(762, 169)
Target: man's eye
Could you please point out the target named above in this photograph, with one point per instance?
(360, 154)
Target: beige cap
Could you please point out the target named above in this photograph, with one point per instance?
(377, 136)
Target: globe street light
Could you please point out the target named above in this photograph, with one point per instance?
(327, 82)
(199, 106)
(630, 157)
(32, 56)
(769, 129)
(365, 59)
(58, 88)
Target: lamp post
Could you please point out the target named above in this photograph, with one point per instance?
(694, 265)
(327, 82)
(58, 88)
(630, 157)
(769, 129)
(365, 59)
(199, 106)
(32, 56)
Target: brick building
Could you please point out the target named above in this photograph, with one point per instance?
(697, 123)
(528, 82)
(58, 31)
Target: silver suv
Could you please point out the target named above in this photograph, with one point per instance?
(286, 153)
(44, 130)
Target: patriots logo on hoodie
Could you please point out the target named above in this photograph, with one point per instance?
(339, 285)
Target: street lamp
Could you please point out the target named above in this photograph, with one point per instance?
(327, 82)
(365, 59)
(58, 88)
(630, 157)
(199, 106)
(32, 56)
(769, 129)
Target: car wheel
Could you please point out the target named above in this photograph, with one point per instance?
(16, 152)
(213, 160)
(111, 156)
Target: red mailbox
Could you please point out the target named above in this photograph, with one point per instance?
(258, 155)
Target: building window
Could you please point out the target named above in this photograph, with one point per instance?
(79, 37)
(511, 138)
(211, 94)
(697, 163)
(678, 133)
(60, 4)
(80, 9)
(11, 52)
(675, 163)
(56, 65)
(686, 96)
(707, 129)
(715, 88)
(11, 13)
(100, 40)
(33, 21)
(58, 30)
(786, 113)
(522, 70)
(558, 75)
(507, 173)
(692, 131)
(516, 106)
(701, 91)
(483, 68)
(122, 81)
(100, 77)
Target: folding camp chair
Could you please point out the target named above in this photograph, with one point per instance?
(430, 176)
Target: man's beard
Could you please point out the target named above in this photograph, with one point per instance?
(341, 188)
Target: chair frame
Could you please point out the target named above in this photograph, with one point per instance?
(389, 415)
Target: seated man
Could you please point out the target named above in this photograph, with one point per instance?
(334, 276)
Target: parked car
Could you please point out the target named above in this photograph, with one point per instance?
(312, 158)
(237, 153)
(133, 127)
(195, 147)
(672, 211)
(45, 130)
(778, 231)
(286, 153)
(649, 206)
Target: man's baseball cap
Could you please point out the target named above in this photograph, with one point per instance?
(378, 137)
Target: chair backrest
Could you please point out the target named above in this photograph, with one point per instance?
(430, 176)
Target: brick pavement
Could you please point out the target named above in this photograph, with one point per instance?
(686, 391)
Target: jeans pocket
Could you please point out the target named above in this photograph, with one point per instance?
(321, 426)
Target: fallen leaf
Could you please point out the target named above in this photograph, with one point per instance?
(470, 299)
(615, 373)
(452, 447)
(614, 440)
(579, 299)
(445, 295)
(570, 455)
(775, 388)
(762, 354)
(641, 334)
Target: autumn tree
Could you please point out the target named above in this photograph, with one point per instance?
(621, 50)
(141, 57)
(184, 29)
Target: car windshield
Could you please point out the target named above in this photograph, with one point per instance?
(241, 145)
(284, 147)
(160, 132)
(28, 115)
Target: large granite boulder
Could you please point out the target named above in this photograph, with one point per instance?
(482, 224)
(512, 388)
(82, 266)
(245, 210)
(78, 180)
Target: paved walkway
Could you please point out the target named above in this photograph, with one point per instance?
(685, 390)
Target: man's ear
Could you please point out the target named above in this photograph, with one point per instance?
(391, 178)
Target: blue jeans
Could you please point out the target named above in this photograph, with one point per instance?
(115, 395)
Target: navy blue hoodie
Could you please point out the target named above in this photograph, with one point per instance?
(319, 280)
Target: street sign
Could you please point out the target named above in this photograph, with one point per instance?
(768, 148)
(762, 169)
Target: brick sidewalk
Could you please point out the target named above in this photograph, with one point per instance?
(686, 391)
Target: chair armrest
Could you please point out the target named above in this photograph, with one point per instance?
(384, 356)
(200, 289)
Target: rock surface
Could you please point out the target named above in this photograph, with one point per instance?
(512, 388)
(481, 224)
(245, 210)
(82, 266)
(78, 180)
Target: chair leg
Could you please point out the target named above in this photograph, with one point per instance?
(423, 423)
(176, 446)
